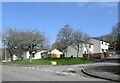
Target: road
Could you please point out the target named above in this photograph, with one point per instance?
(45, 73)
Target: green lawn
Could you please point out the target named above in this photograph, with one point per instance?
(62, 61)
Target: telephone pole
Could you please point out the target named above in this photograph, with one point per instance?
(4, 41)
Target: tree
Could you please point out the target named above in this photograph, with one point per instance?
(10, 41)
(85, 39)
(21, 41)
(116, 35)
(110, 39)
(77, 41)
(64, 38)
(57, 45)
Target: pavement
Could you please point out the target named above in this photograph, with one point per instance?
(105, 69)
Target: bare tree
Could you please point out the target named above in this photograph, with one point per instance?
(57, 45)
(10, 41)
(21, 41)
(64, 38)
(77, 41)
(85, 39)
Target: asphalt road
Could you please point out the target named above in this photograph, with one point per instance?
(45, 73)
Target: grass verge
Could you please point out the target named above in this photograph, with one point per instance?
(61, 61)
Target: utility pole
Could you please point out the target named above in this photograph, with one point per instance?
(4, 41)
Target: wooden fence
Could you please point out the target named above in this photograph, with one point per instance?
(96, 55)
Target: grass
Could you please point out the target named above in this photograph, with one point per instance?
(61, 61)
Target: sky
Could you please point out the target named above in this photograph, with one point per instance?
(93, 18)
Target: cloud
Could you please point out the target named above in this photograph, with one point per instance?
(92, 5)
(88, 5)
(108, 4)
(82, 4)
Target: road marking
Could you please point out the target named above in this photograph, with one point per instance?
(32, 67)
(51, 71)
(58, 72)
(46, 70)
(73, 74)
(70, 69)
(65, 73)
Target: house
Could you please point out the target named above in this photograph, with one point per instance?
(26, 55)
(40, 54)
(100, 46)
(35, 55)
(55, 54)
(14, 57)
(93, 47)
(84, 48)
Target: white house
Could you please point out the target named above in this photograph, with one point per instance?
(93, 46)
(40, 54)
(99, 45)
(14, 57)
(84, 49)
(35, 55)
(26, 55)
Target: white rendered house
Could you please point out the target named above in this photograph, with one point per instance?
(94, 46)
(14, 57)
(83, 49)
(35, 55)
(40, 54)
(99, 46)
(26, 55)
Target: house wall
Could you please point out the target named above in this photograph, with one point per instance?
(72, 51)
(104, 46)
(26, 55)
(14, 57)
(44, 55)
(37, 55)
(96, 45)
(87, 49)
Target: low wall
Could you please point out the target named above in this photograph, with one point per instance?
(96, 55)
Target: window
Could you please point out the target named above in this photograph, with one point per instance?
(106, 50)
(89, 46)
(102, 42)
(105, 43)
(84, 52)
(33, 55)
(102, 50)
